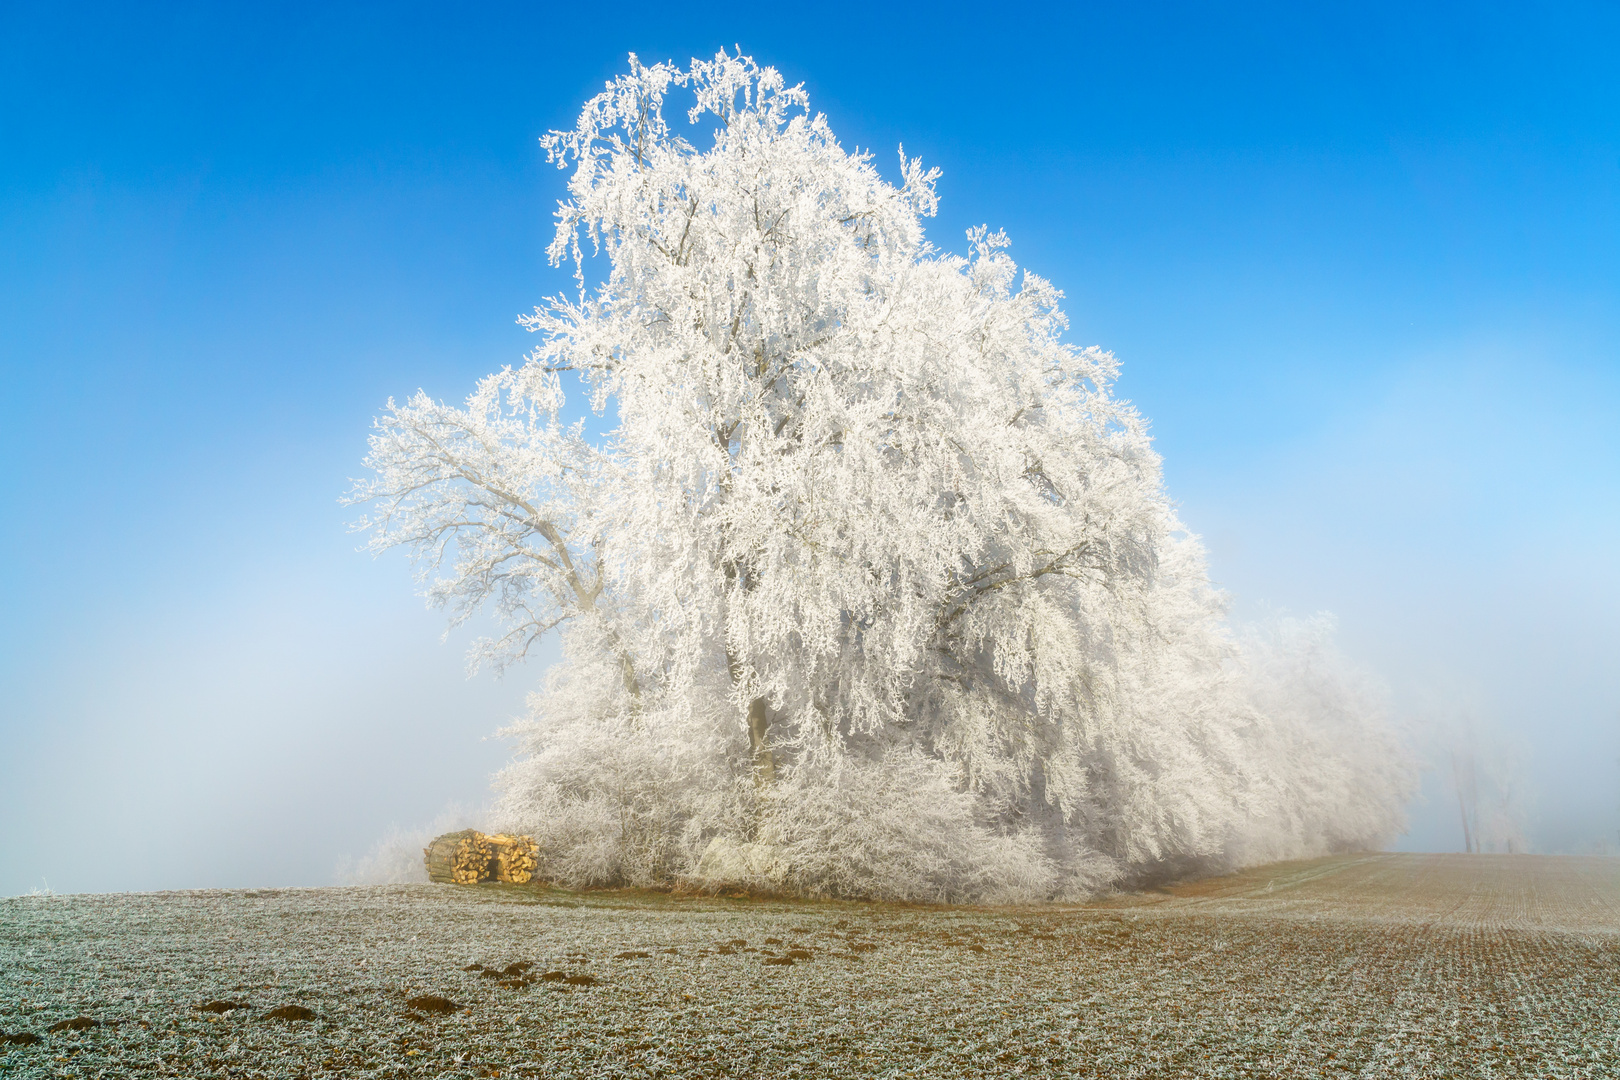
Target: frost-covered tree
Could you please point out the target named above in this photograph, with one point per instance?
(1492, 797)
(873, 589)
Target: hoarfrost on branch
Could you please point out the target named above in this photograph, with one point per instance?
(874, 589)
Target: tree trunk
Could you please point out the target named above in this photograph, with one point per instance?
(1467, 799)
(764, 762)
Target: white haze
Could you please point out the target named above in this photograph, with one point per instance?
(1460, 519)
(189, 752)
(397, 859)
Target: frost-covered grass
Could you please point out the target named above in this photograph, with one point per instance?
(1378, 965)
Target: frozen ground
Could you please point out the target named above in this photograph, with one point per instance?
(1383, 965)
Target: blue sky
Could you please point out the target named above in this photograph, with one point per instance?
(1360, 264)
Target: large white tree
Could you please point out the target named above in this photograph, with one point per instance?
(873, 589)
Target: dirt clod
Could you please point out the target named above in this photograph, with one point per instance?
(21, 1038)
(433, 1004)
(78, 1023)
(290, 1012)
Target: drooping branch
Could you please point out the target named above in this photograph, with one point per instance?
(464, 481)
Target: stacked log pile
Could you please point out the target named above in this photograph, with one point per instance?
(515, 858)
(460, 858)
(468, 857)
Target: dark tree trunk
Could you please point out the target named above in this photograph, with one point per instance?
(764, 762)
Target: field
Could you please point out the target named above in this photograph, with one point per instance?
(1383, 965)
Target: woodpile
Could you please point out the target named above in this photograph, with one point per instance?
(468, 857)
(460, 858)
(516, 858)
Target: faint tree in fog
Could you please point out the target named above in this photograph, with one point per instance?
(1492, 798)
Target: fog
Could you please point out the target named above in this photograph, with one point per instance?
(176, 752)
(1375, 332)
(1461, 525)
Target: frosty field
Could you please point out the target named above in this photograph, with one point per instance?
(1368, 965)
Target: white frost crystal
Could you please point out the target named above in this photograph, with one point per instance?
(874, 589)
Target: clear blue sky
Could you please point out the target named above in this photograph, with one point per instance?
(1360, 263)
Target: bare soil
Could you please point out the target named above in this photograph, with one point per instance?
(1377, 965)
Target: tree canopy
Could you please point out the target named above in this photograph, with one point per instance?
(873, 589)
